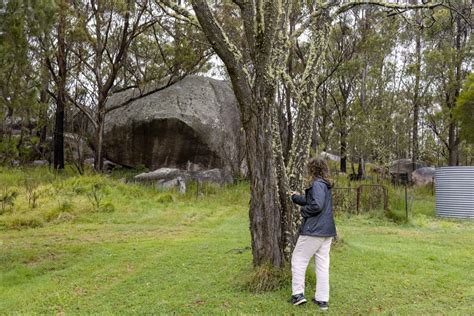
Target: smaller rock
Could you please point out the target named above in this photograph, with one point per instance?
(212, 175)
(423, 176)
(171, 177)
(193, 167)
(162, 174)
(15, 163)
(39, 163)
(330, 156)
(177, 183)
(108, 165)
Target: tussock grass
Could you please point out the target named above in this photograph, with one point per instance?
(266, 278)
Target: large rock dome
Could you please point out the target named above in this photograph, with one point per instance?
(194, 123)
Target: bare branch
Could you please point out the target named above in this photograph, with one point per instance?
(394, 6)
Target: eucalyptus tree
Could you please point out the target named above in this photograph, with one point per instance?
(342, 89)
(59, 71)
(465, 110)
(104, 31)
(124, 44)
(254, 66)
(448, 62)
(21, 77)
(373, 103)
(14, 66)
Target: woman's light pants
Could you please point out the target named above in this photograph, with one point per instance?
(306, 247)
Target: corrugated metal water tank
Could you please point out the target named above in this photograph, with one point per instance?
(455, 192)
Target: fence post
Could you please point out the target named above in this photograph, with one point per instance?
(385, 200)
(432, 185)
(406, 202)
(197, 189)
(358, 199)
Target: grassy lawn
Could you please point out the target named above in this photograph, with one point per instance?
(143, 251)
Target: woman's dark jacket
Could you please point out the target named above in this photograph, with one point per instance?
(316, 210)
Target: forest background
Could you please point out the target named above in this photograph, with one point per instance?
(367, 80)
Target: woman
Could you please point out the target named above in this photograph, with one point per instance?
(315, 235)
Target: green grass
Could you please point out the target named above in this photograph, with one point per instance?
(159, 252)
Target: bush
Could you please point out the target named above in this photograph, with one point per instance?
(7, 199)
(165, 198)
(63, 207)
(32, 192)
(107, 208)
(95, 196)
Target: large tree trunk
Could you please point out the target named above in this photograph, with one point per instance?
(265, 212)
(255, 98)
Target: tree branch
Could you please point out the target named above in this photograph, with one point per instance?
(388, 5)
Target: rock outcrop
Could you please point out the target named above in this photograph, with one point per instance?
(194, 122)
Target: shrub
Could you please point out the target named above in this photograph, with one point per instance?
(95, 196)
(165, 198)
(7, 199)
(32, 192)
(107, 208)
(64, 206)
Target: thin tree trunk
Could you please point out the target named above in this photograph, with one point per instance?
(43, 126)
(452, 146)
(58, 139)
(453, 135)
(288, 231)
(416, 96)
(343, 151)
(58, 148)
(99, 140)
